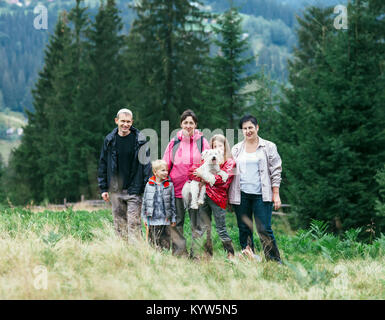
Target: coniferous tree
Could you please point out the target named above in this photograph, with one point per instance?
(105, 80)
(101, 92)
(58, 106)
(27, 172)
(165, 56)
(332, 124)
(224, 94)
(65, 173)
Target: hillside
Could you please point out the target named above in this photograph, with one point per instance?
(270, 26)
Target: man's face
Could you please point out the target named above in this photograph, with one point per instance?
(124, 123)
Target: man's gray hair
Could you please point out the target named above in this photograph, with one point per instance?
(124, 110)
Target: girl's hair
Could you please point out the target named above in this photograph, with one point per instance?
(157, 164)
(188, 113)
(222, 139)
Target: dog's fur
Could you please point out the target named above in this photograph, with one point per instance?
(192, 194)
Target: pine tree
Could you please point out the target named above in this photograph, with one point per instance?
(76, 97)
(66, 173)
(101, 93)
(58, 107)
(106, 75)
(264, 105)
(224, 87)
(334, 118)
(165, 56)
(27, 172)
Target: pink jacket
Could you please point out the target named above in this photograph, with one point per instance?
(186, 155)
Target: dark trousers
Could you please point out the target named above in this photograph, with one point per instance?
(206, 211)
(254, 205)
(177, 235)
(159, 236)
(199, 226)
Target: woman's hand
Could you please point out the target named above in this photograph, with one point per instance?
(276, 200)
(185, 133)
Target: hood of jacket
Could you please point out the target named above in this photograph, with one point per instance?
(165, 183)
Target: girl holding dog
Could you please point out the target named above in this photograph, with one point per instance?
(255, 188)
(181, 153)
(216, 198)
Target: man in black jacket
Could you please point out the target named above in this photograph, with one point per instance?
(124, 169)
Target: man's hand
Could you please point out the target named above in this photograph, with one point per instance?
(106, 196)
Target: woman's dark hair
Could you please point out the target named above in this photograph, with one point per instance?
(188, 113)
(246, 118)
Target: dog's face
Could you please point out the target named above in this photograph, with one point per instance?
(212, 156)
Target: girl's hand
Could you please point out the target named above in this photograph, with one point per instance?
(197, 174)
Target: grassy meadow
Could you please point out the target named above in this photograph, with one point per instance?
(75, 254)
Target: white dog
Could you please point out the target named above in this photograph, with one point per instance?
(193, 196)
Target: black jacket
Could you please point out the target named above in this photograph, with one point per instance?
(141, 169)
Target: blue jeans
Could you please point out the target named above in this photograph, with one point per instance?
(250, 205)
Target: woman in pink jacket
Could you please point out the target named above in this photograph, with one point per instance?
(182, 152)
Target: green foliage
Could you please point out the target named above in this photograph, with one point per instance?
(223, 91)
(318, 229)
(2, 185)
(76, 97)
(332, 119)
(380, 202)
(163, 80)
(53, 225)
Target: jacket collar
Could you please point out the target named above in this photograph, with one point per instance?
(166, 182)
(139, 137)
(238, 148)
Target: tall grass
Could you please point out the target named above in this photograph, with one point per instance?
(82, 258)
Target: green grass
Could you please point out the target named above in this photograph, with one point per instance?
(82, 258)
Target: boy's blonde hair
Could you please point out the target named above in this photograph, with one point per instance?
(222, 139)
(157, 164)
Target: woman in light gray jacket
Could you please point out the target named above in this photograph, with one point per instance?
(255, 188)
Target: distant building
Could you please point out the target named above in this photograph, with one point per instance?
(19, 131)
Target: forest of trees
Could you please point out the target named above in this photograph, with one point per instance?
(328, 124)
(270, 26)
